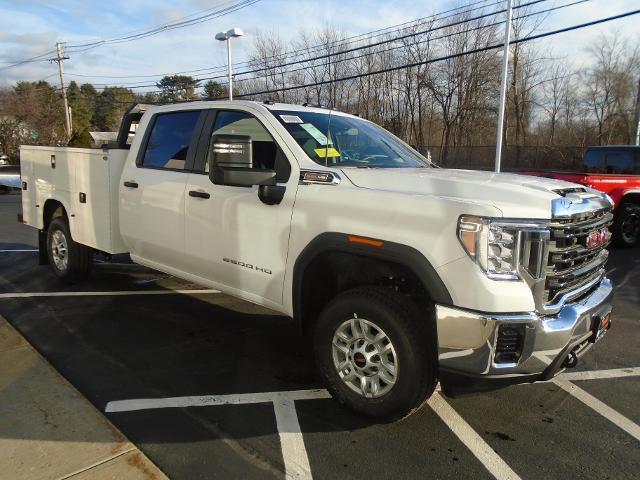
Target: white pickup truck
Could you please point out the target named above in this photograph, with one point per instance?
(402, 273)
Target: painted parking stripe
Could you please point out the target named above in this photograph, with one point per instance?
(212, 400)
(294, 453)
(17, 250)
(600, 374)
(104, 294)
(296, 461)
(602, 408)
(468, 436)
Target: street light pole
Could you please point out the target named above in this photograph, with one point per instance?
(226, 37)
(229, 68)
(503, 87)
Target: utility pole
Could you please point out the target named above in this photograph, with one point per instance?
(638, 115)
(60, 58)
(503, 86)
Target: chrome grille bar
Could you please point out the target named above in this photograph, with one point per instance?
(572, 266)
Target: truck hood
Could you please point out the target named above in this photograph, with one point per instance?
(518, 196)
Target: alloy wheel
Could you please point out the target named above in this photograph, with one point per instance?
(364, 357)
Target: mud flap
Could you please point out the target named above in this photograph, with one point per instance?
(43, 256)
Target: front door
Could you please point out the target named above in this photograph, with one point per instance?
(232, 238)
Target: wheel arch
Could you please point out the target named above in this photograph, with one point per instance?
(52, 208)
(334, 262)
(630, 196)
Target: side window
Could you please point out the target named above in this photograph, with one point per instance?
(266, 153)
(168, 143)
(594, 161)
(620, 162)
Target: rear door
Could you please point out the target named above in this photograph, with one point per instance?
(233, 239)
(152, 200)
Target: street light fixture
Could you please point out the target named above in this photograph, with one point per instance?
(226, 37)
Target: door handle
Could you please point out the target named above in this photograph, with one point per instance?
(198, 194)
(131, 184)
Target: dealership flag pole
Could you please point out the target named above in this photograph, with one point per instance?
(503, 86)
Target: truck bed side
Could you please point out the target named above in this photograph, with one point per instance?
(85, 182)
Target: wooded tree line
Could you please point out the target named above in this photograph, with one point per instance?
(447, 102)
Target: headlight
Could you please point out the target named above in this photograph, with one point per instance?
(504, 248)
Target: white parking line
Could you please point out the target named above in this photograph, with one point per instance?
(103, 294)
(600, 374)
(468, 436)
(17, 250)
(296, 461)
(212, 400)
(602, 408)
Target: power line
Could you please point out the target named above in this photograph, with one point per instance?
(136, 85)
(448, 57)
(428, 40)
(79, 48)
(236, 5)
(345, 41)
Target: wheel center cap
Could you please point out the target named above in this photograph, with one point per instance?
(359, 359)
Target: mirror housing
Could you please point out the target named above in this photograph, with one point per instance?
(232, 163)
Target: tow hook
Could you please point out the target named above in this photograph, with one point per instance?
(571, 361)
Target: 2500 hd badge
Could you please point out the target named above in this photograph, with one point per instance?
(247, 265)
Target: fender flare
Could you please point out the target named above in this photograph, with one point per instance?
(379, 249)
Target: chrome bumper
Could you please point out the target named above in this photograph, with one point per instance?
(467, 340)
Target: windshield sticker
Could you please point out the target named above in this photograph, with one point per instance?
(315, 133)
(327, 152)
(291, 119)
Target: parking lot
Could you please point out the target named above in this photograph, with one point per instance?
(208, 386)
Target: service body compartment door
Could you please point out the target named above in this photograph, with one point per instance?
(232, 238)
(152, 198)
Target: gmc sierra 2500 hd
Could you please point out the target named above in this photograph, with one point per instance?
(402, 273)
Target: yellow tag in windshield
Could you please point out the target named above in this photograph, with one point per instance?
(327, 152)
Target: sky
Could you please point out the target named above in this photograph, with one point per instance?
(31, 27)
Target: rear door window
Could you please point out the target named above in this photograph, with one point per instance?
(170, 139)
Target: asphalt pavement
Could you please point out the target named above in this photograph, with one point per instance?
(208, 386)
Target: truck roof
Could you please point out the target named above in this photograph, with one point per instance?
(269, 105)
(614, 147)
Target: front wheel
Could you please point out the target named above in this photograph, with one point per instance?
(376, 353)
(70, 261)
(626, 225)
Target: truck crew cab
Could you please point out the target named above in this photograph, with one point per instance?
(403, 273)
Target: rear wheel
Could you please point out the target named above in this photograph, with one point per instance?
(626, 226)
(376, 353)
(70, 261)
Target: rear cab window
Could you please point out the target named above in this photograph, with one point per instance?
(169, 140)
(617, 161)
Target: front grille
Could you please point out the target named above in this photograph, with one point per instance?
(572, 264)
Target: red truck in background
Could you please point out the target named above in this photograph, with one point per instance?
(615, 170)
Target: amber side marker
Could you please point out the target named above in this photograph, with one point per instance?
(366, 241)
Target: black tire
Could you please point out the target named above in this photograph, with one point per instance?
(626, 225)
(79, 257)
(412, 334)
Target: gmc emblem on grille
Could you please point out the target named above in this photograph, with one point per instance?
(597, 238)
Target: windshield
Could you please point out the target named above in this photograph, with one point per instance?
(338, 141)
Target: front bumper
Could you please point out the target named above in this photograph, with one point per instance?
(470, 351)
